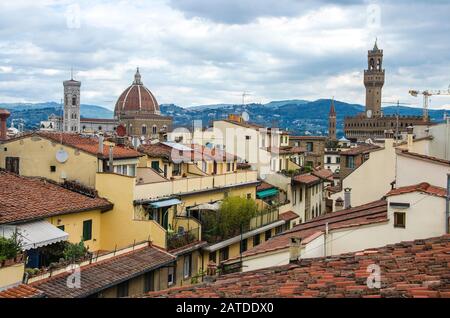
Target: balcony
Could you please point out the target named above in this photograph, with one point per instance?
(182, 238)
(161, 189)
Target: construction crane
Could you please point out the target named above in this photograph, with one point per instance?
(426, 98)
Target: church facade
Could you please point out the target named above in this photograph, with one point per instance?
(373, 123)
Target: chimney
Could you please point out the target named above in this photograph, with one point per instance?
(388, 138)
(409, 131)
(347, 198)
(111, 158)
(211, 272)
(100, 144)
(4, 114)
(339, 204)
(295, 249)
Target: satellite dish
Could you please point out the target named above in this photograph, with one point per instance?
(245, 116)
(62, 156)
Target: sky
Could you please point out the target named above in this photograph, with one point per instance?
(196, 52)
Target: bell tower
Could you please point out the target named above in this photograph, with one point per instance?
(374, 81)
(71, 119)
(332, 122)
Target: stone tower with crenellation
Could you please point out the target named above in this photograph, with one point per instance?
(374, 81)
(332, 122)
(71, 119)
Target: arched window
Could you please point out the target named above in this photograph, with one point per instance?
(371, 64)
(99, 127)
(144, 130)
(74, 100)
(154, 129)
(379, 64)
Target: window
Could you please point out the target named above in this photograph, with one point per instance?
(400, 219)
(228, 166)
(74, 101)
(155, 165)
(61, 227)
(244, 245)
(338, 159)
(171, 276)
(256, 240)
(52, 168)
(279, 229)
(301, 195)
(268, 234)
(309, 146)
(294, 196)
(249, 195)
(176, 171)
(154, 129)
(87, 230)
(350, 162)
(148, 282)
(122, 289)
(144, 130)
(223, 254)
(328, 159)
(213, 257)
(187, 266)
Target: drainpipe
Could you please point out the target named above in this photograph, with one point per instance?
(111, 160)
(447, 206)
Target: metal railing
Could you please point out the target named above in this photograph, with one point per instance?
(182, 238)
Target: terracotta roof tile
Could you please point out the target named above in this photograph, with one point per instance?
(87, 144)
(21, 291)
(326, 174)
(306, 179)
(423, 187)
(264, 186)
(364, 214)
(425, 157)
(409, 269)
(288, 216)
(285, 150)
(360, 149)
(24, 198)
(99, 276)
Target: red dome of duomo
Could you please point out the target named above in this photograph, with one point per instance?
(137, 99)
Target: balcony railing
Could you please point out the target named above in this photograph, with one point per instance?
(187, 185)
(180, 239)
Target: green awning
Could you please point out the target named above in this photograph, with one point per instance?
(266, 193)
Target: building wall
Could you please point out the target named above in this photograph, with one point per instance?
(38, 154)
(181, 280)
(425, 218)
(317, 155)
(73, 225)
(11, 275)
(440, 145)
(118, 226)
(265, 260)
(371, 181)
(134, 125)
(412, 171)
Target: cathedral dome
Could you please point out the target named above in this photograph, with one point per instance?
(137, 99)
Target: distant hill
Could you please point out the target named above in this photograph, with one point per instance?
(298, 116)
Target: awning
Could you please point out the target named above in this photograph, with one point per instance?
(266, 193)
(206, 206)
(34, 234)
(164, 203)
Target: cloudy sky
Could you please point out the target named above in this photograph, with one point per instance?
(193, 52)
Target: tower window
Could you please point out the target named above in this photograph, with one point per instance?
(144, 130)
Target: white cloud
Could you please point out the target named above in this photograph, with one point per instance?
(198, 52)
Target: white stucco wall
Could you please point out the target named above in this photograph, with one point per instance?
(266, 260)
(413, 171)
(371, 181)
(425, 218)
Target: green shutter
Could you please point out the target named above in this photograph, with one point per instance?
(87, 230)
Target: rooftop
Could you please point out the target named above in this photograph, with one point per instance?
(360, 149)
(415, 155)
(368, 213)
(409, 269)
(24, 199)
(88, 144)
(306, 179)
(104, 274)
(423, 187)
(288, 216)
(21, 291)
(321, 138)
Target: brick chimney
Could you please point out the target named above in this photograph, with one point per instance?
(4, 114)
(295, 249)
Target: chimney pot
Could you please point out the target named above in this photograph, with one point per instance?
(4, 114)
(347, 198)
(295, 249)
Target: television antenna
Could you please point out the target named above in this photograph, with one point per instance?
(397, 103)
